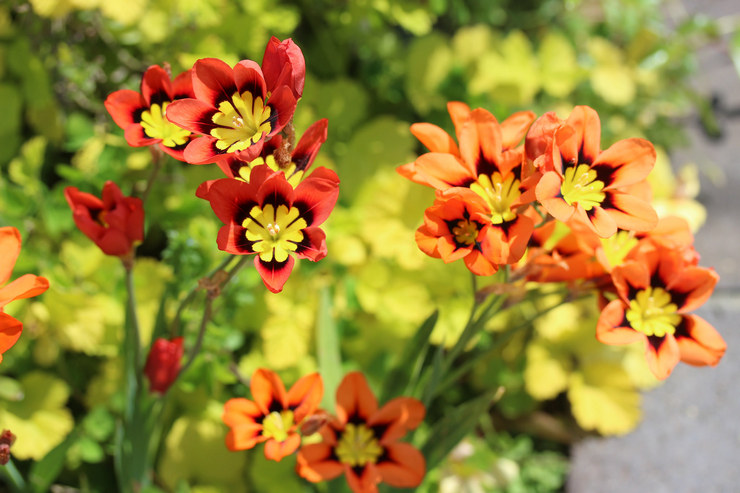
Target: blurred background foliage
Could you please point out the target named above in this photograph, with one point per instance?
(374, 67)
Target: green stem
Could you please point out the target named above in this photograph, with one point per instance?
(157, 156)
(12, 474)
(134, 321)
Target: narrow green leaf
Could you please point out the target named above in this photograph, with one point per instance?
(448, 431)
(328, 353)
(43, 473)
(434, 377)
(405, 373)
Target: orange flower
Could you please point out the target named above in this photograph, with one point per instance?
(274, 415)
(582, 182)
(362, 441)
(25, 286)
(657, 286)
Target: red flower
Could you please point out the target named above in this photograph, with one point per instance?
(115, 223)
(582, 182)
(271, 219)
(274, 415)
(657, 288)
(7, 438)
(278, 157)
(143, 116)
(26, 286)
(362, 441)
(234, 109)
(163, 363)
(283, 65)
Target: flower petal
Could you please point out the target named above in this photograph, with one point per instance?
(305, 396)
(268, 391)
(699, 343)
(404, 467)
(397, 416)
(355, 400)
(315, 463)
(10, 246)
(213, 81)
(274, 274)
(662, 354)
(10, 331)
(26, 286)
(317, 195)
(125, 107)
(626, 162)
(629, 212)
(613, 328)
(309, 144)
(244, 436)
(434, 138)
(155, 86)
(514, 128)
(275, 450)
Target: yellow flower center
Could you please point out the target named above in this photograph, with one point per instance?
(157, 126)
(358, 446)
(290, 172)
(277, 425)
(499, 194)
(618, 246)
(242, 121)
(652, 313)
(275, 232)
(581, 186)
(466, 231)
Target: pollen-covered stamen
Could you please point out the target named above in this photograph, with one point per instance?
(275, 232)
(358, 446)
(157, 126)
(499, 194)
(653, 313)
(580, 186)
(293, 176)
(617, 247)
(242, 122)
(277, 425)
(465, 232)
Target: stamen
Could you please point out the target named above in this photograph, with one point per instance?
(580, 186)
(358, 446)
(652, 312)
(499, 194)
(277, 425)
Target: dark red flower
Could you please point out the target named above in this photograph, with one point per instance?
(142, 116)
(163, 363)
(283, 65)
(271, 219)
(115, 223)
(6, 441)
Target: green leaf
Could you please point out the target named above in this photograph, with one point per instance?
(327, 347)
(428, 63)
(446, 433)
(735, 50)
(10, 389)
(405, 372)
(43, 473)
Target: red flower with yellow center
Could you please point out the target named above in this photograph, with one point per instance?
(362, 441)
(657, 287)
(142, 116)
(237, 110)
(278, 157)
(274, 415)
(271, 219)
(580, 181)
(26, 286)
(114, 222)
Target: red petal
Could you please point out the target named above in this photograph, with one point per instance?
(612, 328)
(275, 450)
(399, 415)
(629, 212)
(478, 264)
(440, 171)
(155, 86)
(274, 274)
(316, 196)
(309, 144)
(629, 160)
(314, 463)
(213, 81)
(587, 138)
(283, 105)
(480, 140)
(136, 137)
(313, 245)
(696, 284)
(125, 106)
(193, 115)
(10, 331)
(244, 437)
(240, 411)
(662, 355)
(26, 286)
(514, 128)
(541, 135)
(248, 78)
(283, 64)
(182, 86)
(203, 150)
(548, 194)
(305, 396)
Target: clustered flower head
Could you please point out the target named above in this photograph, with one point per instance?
(362, 441)
(541, 196)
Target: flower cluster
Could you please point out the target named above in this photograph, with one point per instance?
(540, 195)
(361, 441)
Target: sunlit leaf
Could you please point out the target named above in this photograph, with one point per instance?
(546, 374)
(558, 65)
(427, 64)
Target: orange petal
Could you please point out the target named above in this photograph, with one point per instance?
(244, 437)
(628, 276)
(599, 219)
(541, 135)
(315, 464)
(10, 331)
(662, 354)
(696, 284)
(480, 140)
(629, 212)
(478, 264)
(459, 114)
(630, 160)
(426, 242)
(239, 411)
(275, 450)
(354, 398)
(548, 194)
(367, 480)
(440, 171)
(10, 246)
(434, 138)
(26, 286)
(612, 328)
(398, 415)
(699, 343)
(587, 138)
(305, 395)
(405, 466)
(514, 128)
(268, 391)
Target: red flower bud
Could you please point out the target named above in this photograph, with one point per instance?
(163, 363)
(6, 440)
(115, 223)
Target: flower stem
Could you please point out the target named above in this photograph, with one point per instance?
(12, 474)
(134, 323)
(157, 156)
